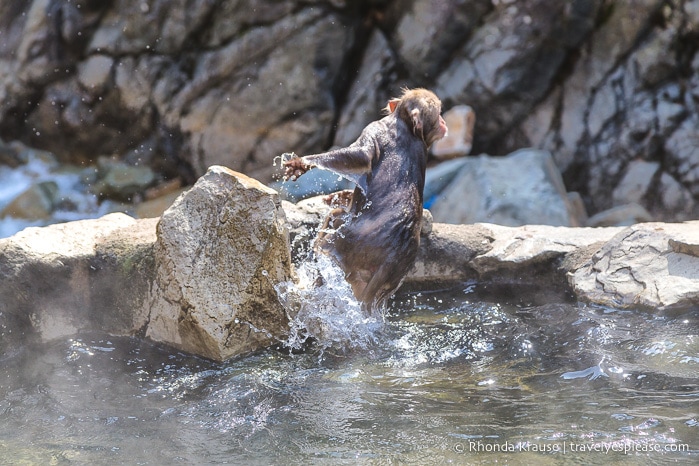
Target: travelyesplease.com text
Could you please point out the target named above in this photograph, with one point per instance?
(625, 447)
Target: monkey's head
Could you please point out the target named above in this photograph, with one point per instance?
(421, 110)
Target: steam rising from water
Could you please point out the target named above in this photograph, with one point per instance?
(322, 309)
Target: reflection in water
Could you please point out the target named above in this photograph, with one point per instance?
(451, 376)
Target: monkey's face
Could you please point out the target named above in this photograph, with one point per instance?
(440, 131)
(421, 110)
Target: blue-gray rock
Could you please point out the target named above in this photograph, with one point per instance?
(522, 188)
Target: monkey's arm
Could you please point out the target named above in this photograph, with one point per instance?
(353, 160)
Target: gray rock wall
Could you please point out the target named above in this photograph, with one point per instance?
(182, 85)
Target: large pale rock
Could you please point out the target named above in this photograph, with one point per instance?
(520, 251)
(522, 188)
(438, 177)
(622, 215)
(650, 265)
(72, 277)
(221, 248)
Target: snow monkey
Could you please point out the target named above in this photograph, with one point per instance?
(374, 234)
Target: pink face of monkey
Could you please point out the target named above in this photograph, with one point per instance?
(421, 110)
(442, 130)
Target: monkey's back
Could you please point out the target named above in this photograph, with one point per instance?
(382, 229)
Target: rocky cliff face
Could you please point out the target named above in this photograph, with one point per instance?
(609, 87)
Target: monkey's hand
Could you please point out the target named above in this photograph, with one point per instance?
(295, 167)
(339, 198)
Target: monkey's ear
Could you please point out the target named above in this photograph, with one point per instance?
(417, 121)
(392, 104)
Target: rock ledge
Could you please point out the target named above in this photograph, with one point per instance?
(204, 282)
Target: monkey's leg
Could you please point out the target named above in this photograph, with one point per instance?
(332, 222)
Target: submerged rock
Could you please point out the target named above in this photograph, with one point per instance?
(221, 248)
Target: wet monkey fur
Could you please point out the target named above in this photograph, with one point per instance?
(373, 233)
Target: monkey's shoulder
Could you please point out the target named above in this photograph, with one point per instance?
(386, 131)
(377, 128)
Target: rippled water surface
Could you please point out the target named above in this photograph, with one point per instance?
(460, 376)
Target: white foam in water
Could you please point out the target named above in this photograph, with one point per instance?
(325, 311)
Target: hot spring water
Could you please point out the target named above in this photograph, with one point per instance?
(465, 375)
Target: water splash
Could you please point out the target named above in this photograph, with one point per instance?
(322, 309)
